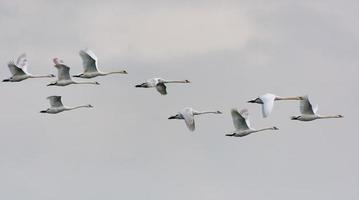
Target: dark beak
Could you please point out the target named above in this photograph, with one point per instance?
(251, 101)
(172, 117)
(43, 111)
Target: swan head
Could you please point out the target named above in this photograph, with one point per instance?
(340, 116)
(186, 81)
(256, 100)
(295, 118)
(90, 106)
(218, 112)
(97, 83)
(230, 134)
(51, 84)
(275, 128)
(178, 116)
(144, 85)
(124, 72)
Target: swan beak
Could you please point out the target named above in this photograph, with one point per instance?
(124, 72)
(49, 84)
(275, 128)
(294, 118)
(172, 117)
(43, 111)
(230, 134)
(90, 106)
(340, 116)
(219, 112)
(97, 83)
(187, 81)
(251, 101)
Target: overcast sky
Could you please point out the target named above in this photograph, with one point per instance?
(231, 51)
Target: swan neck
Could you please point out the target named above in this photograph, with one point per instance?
(40, 76)
(329, 116)
(114, 72)
(76, 107)
(174, 81)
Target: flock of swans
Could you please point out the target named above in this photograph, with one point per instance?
(240, 119)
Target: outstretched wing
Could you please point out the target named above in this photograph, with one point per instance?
(63, 71)
(89, 60)
(268, 103)
(306, 107)
(15, 70)
(240, 120)
(189, 119)
(22, 62)
(55, 101)
(161, 88)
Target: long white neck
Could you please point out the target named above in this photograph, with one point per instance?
(176, 81)
(330, 116)
(87, 82)
(206, 112)
(76, 107)
(288, 98)
(115, 72)
(263, 129)
(40, 76)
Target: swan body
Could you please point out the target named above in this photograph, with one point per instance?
(89, 63)
(187, 114)
(64, 78)
(242, 124)
(56, 106)
(159, 84)
(267, 101)
(309, 113)
(19, 70)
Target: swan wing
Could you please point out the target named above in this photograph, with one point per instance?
(22, 62)
(268, 103)
(306, 107)
(15, 70)
(161, 88)
(55, 101)
(188, 118)
(63, 72)
(89, 60)
(240, 119)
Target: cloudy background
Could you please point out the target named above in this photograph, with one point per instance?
(232, 51)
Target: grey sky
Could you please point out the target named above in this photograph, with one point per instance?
(232, 51)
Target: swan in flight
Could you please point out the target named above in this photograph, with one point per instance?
(89, 63)
(64, 75)
(19, 70)
(56, 106)
(159, 83)
(188, 115)
(242, 125)
(309, 113)
(267, 101)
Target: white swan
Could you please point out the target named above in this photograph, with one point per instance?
(19, 70)
(89, 63)
(242, 125)
(188, 115)
(159, 83)
(267, 101)
(309, 113)
(64, 75)
(56, 106)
